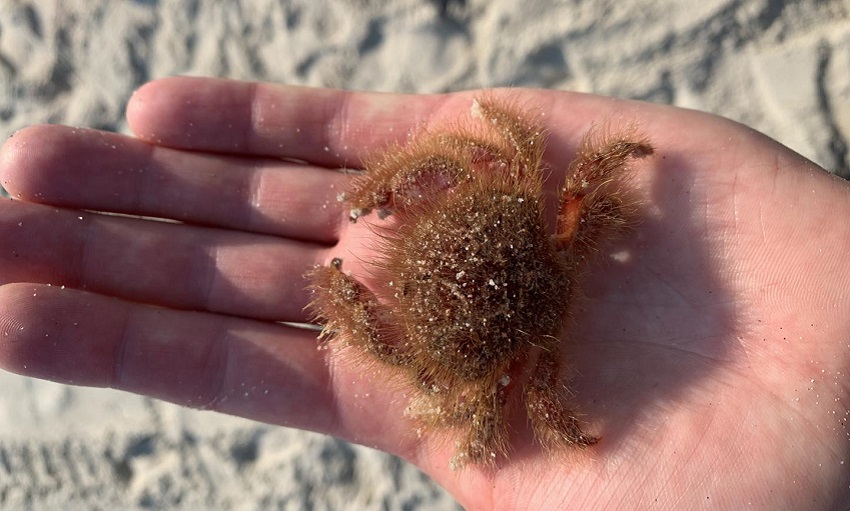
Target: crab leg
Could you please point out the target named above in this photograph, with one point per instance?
(589, 206)
(351, 308)
(555, 424)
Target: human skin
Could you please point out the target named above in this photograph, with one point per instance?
(711, 346)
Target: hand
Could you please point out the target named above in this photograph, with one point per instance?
(711, 353)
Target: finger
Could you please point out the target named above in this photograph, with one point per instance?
(95, 170)
(156, 262)
(260, 370)
(337, 128)
(323, 126)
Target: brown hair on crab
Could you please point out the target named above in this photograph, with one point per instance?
(471, 293)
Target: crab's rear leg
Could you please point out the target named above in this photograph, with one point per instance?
(590, 203)
(345, 305)
(486, 435)
(555, 423)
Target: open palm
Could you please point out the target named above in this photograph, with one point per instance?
(711, 345)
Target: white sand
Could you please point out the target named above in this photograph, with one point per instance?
(782, 69)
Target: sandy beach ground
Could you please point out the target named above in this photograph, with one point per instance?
(782, 67)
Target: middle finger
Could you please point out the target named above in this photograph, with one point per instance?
(95, 170)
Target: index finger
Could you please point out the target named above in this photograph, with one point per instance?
(326, 127)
